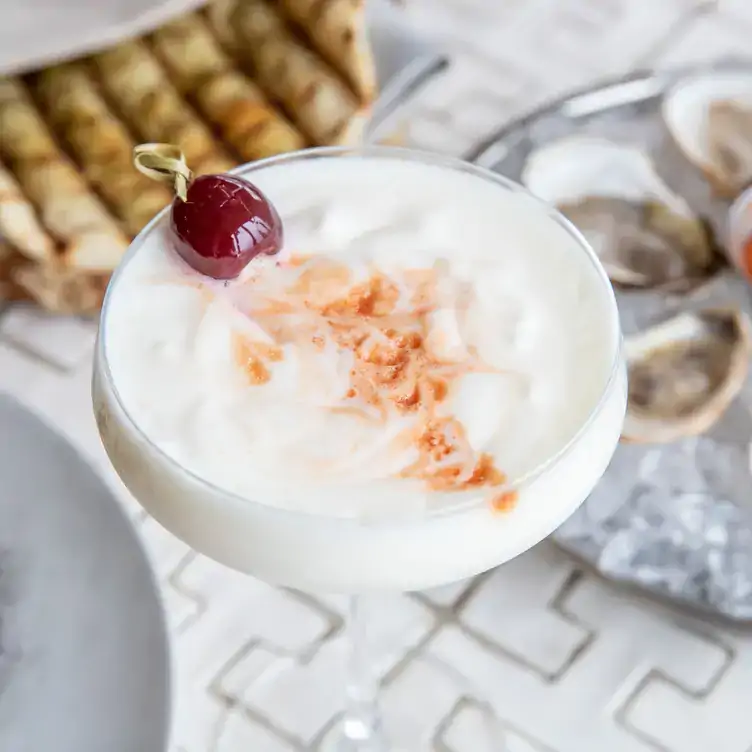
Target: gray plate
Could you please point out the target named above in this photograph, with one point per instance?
(670, 520)
(84, 662)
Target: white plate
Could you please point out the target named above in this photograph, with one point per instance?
(84, 660)
(34, 33)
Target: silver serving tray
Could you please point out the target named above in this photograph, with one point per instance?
(673, 520)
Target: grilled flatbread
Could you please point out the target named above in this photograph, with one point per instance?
(70, 212)
(19, 225)
(337, 31)
(100, 143)
(233, 103)
(136, 83)
(10, 260)
(310, 90)
(60, 289)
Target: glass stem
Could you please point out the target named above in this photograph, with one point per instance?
(362, 729)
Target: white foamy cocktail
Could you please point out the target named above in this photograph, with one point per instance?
(424, 383)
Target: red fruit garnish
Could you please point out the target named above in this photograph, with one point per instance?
(223, 224)
(218, 223)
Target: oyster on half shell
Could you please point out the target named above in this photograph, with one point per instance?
(684, 373)
(709, 117)
(645, 234)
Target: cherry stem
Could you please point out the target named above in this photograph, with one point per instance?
(165, 163)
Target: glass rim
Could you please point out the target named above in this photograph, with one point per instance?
(399, 153)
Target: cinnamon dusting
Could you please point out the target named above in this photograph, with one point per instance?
(447, 462)
(385, 327)
(375, 298)
(252, 357)
(505, 502)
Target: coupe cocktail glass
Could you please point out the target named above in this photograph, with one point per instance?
(316, 553)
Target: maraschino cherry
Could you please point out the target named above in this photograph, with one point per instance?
(218, 223)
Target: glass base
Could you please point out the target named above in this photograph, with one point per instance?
(428, 707)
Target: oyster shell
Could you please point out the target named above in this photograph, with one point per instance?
(709, 117)
(684, 373)
(645, 234)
